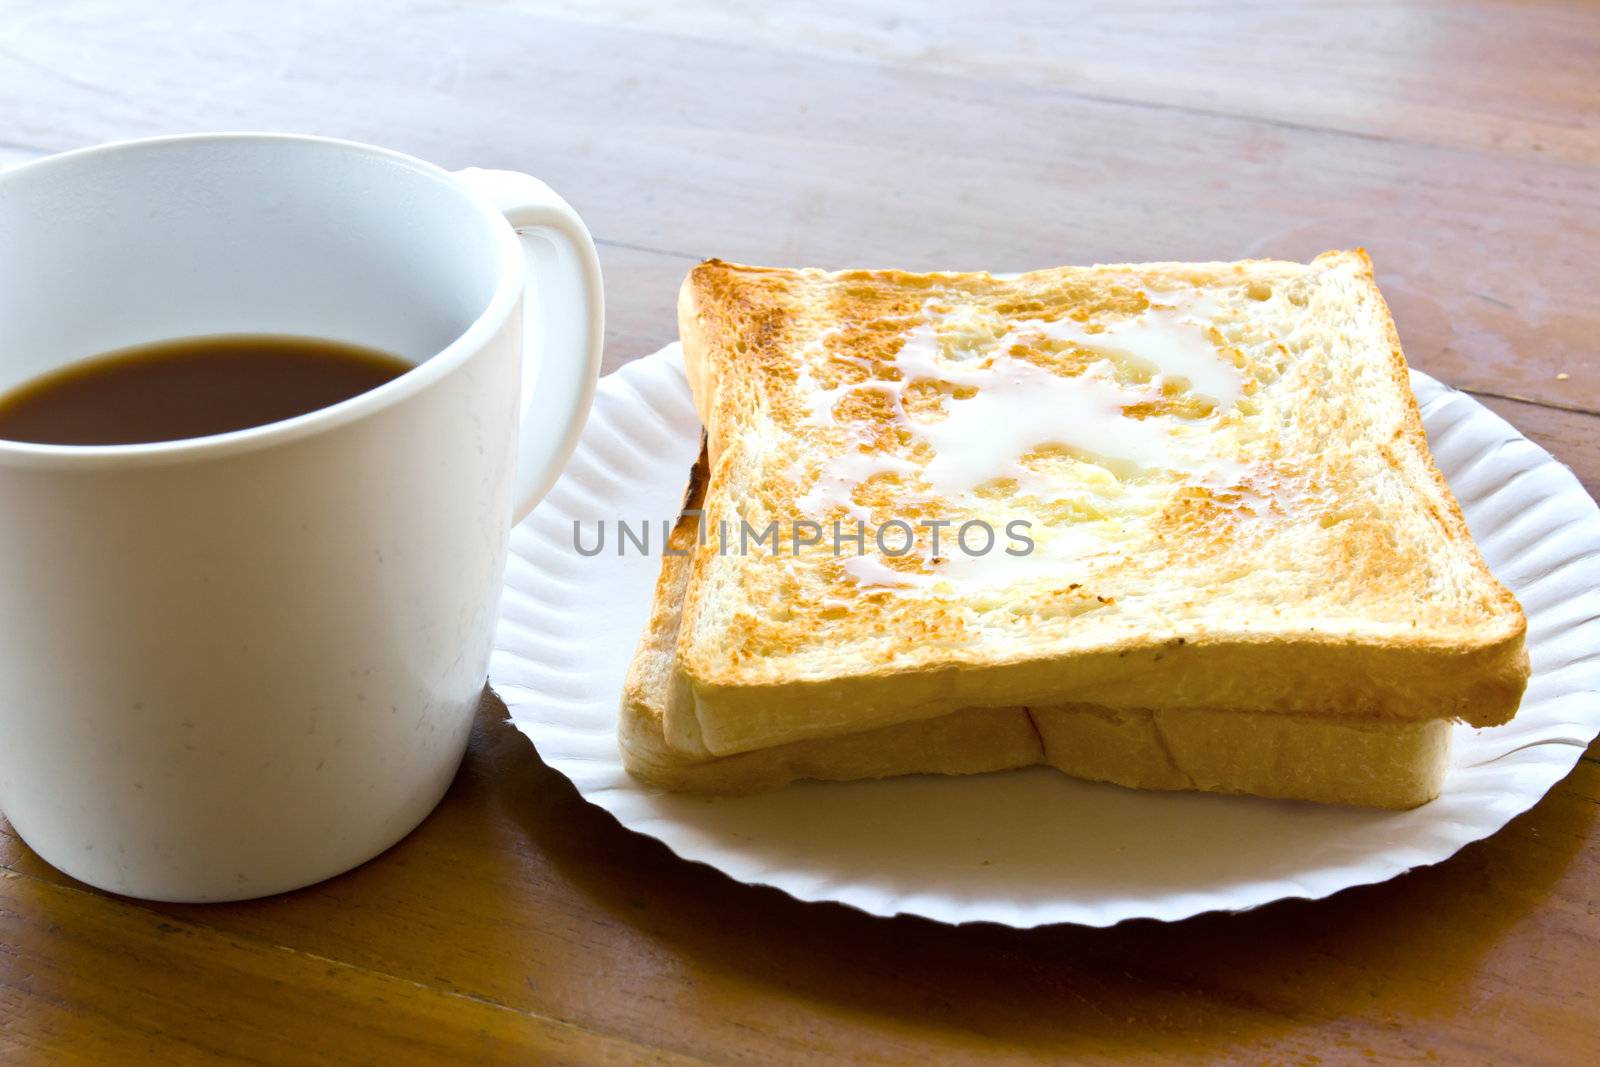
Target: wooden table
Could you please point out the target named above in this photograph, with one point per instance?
(1460, 143)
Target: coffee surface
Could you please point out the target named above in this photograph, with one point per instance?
(193, 387)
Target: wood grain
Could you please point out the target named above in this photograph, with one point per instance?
(1397, 72)
(761, 152)
(518, 894)
(1459, 142)
(88, 979)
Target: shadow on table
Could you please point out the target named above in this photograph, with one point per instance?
(1388, 958)
(519, 892)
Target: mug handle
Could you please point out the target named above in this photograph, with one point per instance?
(560, 349)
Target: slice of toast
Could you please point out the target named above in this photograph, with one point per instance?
(1220, 467)
(1376, 764)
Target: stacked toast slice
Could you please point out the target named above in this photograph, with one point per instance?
(1166, 525)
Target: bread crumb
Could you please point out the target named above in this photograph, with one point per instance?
(1562, 376)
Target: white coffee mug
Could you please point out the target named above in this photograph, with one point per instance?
(239, 664)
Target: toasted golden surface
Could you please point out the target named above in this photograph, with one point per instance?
(1378, 764)
(1220, 469)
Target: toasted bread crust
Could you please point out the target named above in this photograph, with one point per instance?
(1381, 609)
(1386, 765)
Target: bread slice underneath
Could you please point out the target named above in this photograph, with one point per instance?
(1373, 763)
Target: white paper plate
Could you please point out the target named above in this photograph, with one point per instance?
(1030, 847)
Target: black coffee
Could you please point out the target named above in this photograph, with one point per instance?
(192, 387)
